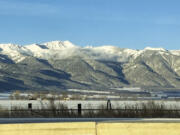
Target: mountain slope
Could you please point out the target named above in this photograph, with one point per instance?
(59, 65)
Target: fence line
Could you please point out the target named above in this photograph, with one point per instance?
(92, 113)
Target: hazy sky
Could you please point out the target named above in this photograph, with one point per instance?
(125, 23)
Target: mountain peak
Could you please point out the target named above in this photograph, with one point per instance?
(56, 45)
(154, 49)
(9, 46)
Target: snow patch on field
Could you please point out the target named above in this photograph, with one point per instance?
(89, 91)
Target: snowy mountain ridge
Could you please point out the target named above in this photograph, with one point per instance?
(60, 65)
(65, 49)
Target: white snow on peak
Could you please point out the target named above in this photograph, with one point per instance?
(54, 49)
(175, 52)
(130, 51)
(9, 47)
(34, 47)
(59, 45)
(13, 51)
(154, 49)
(105, 49)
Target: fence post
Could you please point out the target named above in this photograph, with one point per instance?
(109, 105)
(79, 109)
(29, 106)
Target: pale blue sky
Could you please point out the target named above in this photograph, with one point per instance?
(125, 23)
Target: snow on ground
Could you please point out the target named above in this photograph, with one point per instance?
(136, 89)
(90, 91)
(4, 96)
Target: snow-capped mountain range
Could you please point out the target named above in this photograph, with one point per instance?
(61, 64)
(65, 49)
